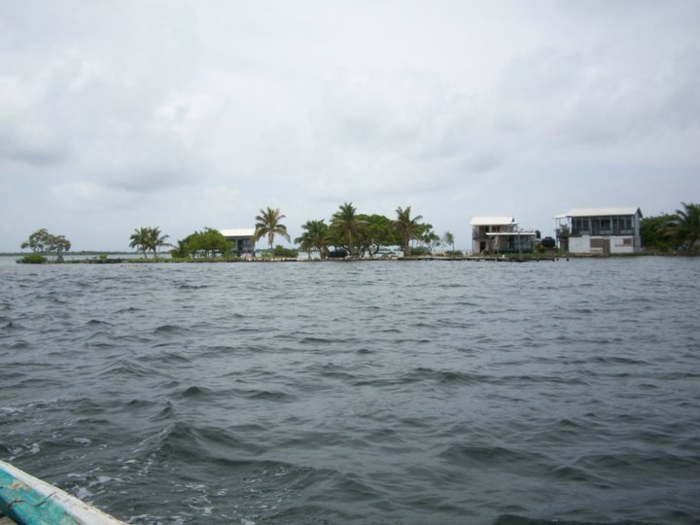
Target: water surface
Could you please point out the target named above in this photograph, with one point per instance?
(386, 392)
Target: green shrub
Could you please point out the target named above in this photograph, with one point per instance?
(420, 251)
(33, 258)
(281, 251)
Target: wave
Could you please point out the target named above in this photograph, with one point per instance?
(167, 413)
(168, 329)
(511, 519)
(195, 392)
(12, 326)
(127, 367)
(321, 341)
(264, 395)
(128, 310)
(18, 345)
(97, 322)
(190, 442)
(486, 456)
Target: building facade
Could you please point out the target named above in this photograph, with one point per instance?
(600, 230)
(500, 235)
(242, 240)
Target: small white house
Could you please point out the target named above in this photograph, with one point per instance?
(500, 235)
(600, 230)
(242, 240)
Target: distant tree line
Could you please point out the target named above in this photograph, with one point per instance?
(679, 231)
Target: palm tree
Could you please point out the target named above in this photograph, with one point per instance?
(348, 225)
(140, 240)
(688, 226)
(156, 240)
(407, 228)
(268, 223)
(316, 236)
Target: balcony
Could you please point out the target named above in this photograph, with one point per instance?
(578, 232)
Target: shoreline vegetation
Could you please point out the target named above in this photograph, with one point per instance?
(352, 236)
(133, 258)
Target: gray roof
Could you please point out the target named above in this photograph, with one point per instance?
(492, 221)
(512, 234)
(599, 212)
(241, 232)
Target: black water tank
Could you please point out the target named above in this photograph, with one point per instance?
(549, 242)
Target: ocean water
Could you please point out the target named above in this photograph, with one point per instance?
(364, 393)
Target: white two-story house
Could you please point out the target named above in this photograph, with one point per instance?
(600, 230)
(500, 235)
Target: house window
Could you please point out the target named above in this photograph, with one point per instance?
(597, 244)
(626, 224)
(580, 226)
(615, 225)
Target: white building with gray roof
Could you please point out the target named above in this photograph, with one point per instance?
(242, 240)
(600, 230)
(500, 235)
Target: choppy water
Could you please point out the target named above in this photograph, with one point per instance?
(388, 392)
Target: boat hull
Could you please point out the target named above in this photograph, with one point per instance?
(30, 501)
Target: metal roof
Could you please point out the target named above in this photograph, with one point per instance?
(241, 232)
(492, 221)
(512, 234)
(599, 212)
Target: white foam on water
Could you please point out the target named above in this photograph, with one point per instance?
(83, 493)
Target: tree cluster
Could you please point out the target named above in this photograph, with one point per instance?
(203, 244)
(360, 235)
(677, 231)
(347, 233)
(42, 242)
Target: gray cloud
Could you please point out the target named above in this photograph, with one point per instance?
(92, 86)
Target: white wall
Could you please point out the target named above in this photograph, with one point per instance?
(583, 244)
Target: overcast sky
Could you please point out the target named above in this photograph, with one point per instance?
(117, 114)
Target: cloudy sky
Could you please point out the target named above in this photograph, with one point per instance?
(117, 114)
